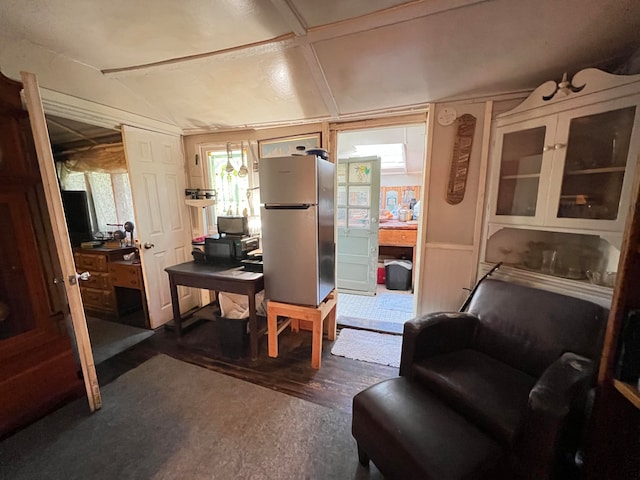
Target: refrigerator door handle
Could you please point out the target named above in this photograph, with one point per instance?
(303, 206)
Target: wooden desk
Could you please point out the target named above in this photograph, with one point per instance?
(98, 293)
(128, 274)
(219, 279)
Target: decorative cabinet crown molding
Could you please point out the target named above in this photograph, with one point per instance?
(587, 83)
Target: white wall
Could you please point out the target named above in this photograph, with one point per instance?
(449, 256)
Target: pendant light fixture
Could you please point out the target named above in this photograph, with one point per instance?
(243, 170)
(229, 168)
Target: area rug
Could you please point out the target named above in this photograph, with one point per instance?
(401, 302)
(371, 324)
(368, 346)
(167, 419)
(110, 338)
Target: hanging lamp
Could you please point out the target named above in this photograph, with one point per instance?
(229, 168)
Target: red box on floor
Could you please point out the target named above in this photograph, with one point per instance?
(381, 275)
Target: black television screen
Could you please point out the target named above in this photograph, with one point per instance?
(76, 209)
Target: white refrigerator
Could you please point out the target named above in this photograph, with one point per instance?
(297, 215)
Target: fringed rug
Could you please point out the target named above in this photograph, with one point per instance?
(368, 346)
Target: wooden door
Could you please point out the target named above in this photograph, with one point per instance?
(157, 175)
(357, 214)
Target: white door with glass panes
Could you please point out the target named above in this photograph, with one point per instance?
(357, 213)
(157, 175)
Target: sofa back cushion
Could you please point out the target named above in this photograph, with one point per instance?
(529, 328)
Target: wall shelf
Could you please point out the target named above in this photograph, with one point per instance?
(630, 392)
(592, 171)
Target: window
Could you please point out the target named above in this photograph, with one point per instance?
(237, 194)
(230, 185)
(109, 197)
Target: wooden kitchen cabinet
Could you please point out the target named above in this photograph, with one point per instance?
(38, 370)
(397, 238)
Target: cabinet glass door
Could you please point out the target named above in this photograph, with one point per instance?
(17, 314)
(522, 168)
(594, 167)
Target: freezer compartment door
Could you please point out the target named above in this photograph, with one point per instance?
(290, 253)
(289, 180)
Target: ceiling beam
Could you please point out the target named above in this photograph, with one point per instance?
(290, 16)
(302, 37)
(72, 130)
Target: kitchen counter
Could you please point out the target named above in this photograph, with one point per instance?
(398, 225)
(395, 238)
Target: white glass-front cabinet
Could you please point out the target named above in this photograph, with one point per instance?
(572, 169)
(562, 168)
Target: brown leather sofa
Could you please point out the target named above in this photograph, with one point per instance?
(495, 392)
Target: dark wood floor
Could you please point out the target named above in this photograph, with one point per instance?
(333, 385)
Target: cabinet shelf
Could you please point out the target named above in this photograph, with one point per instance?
(628, 391)
(523, 175)
(593, 171)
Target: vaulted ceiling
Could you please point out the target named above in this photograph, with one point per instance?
(217, 64)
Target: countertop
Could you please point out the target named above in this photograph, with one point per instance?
(398, 225)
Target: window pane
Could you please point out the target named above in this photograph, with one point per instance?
(231, 188)
(122, 195)
(103, 201)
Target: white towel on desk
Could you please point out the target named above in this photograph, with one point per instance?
(235, 305)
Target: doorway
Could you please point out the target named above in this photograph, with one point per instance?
(401, 150)
(96, 195)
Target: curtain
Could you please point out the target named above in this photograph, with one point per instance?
(98, 159)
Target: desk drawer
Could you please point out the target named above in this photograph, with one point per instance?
(124, 275)
(97, 280)
(397, 237)
(93, 297)
(91, 262)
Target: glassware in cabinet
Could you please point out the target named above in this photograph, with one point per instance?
(523, 165)
(595, 165)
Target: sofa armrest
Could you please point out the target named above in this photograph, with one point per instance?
(434, 334)
(563, 383)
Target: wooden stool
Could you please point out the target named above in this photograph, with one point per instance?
(295, 313)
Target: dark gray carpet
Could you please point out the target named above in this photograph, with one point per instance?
(110, 338)
(168, 419)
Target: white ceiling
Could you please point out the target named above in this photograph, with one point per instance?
(218, 64)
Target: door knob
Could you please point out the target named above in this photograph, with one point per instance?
(148, 245)
(84, 276)
(73, 279)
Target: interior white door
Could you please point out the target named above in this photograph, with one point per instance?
(357, 213)
(61, 236)
(157, 176)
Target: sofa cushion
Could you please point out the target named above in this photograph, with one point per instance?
(529, 328)
(489, 393)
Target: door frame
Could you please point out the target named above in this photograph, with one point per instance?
(420, 117)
